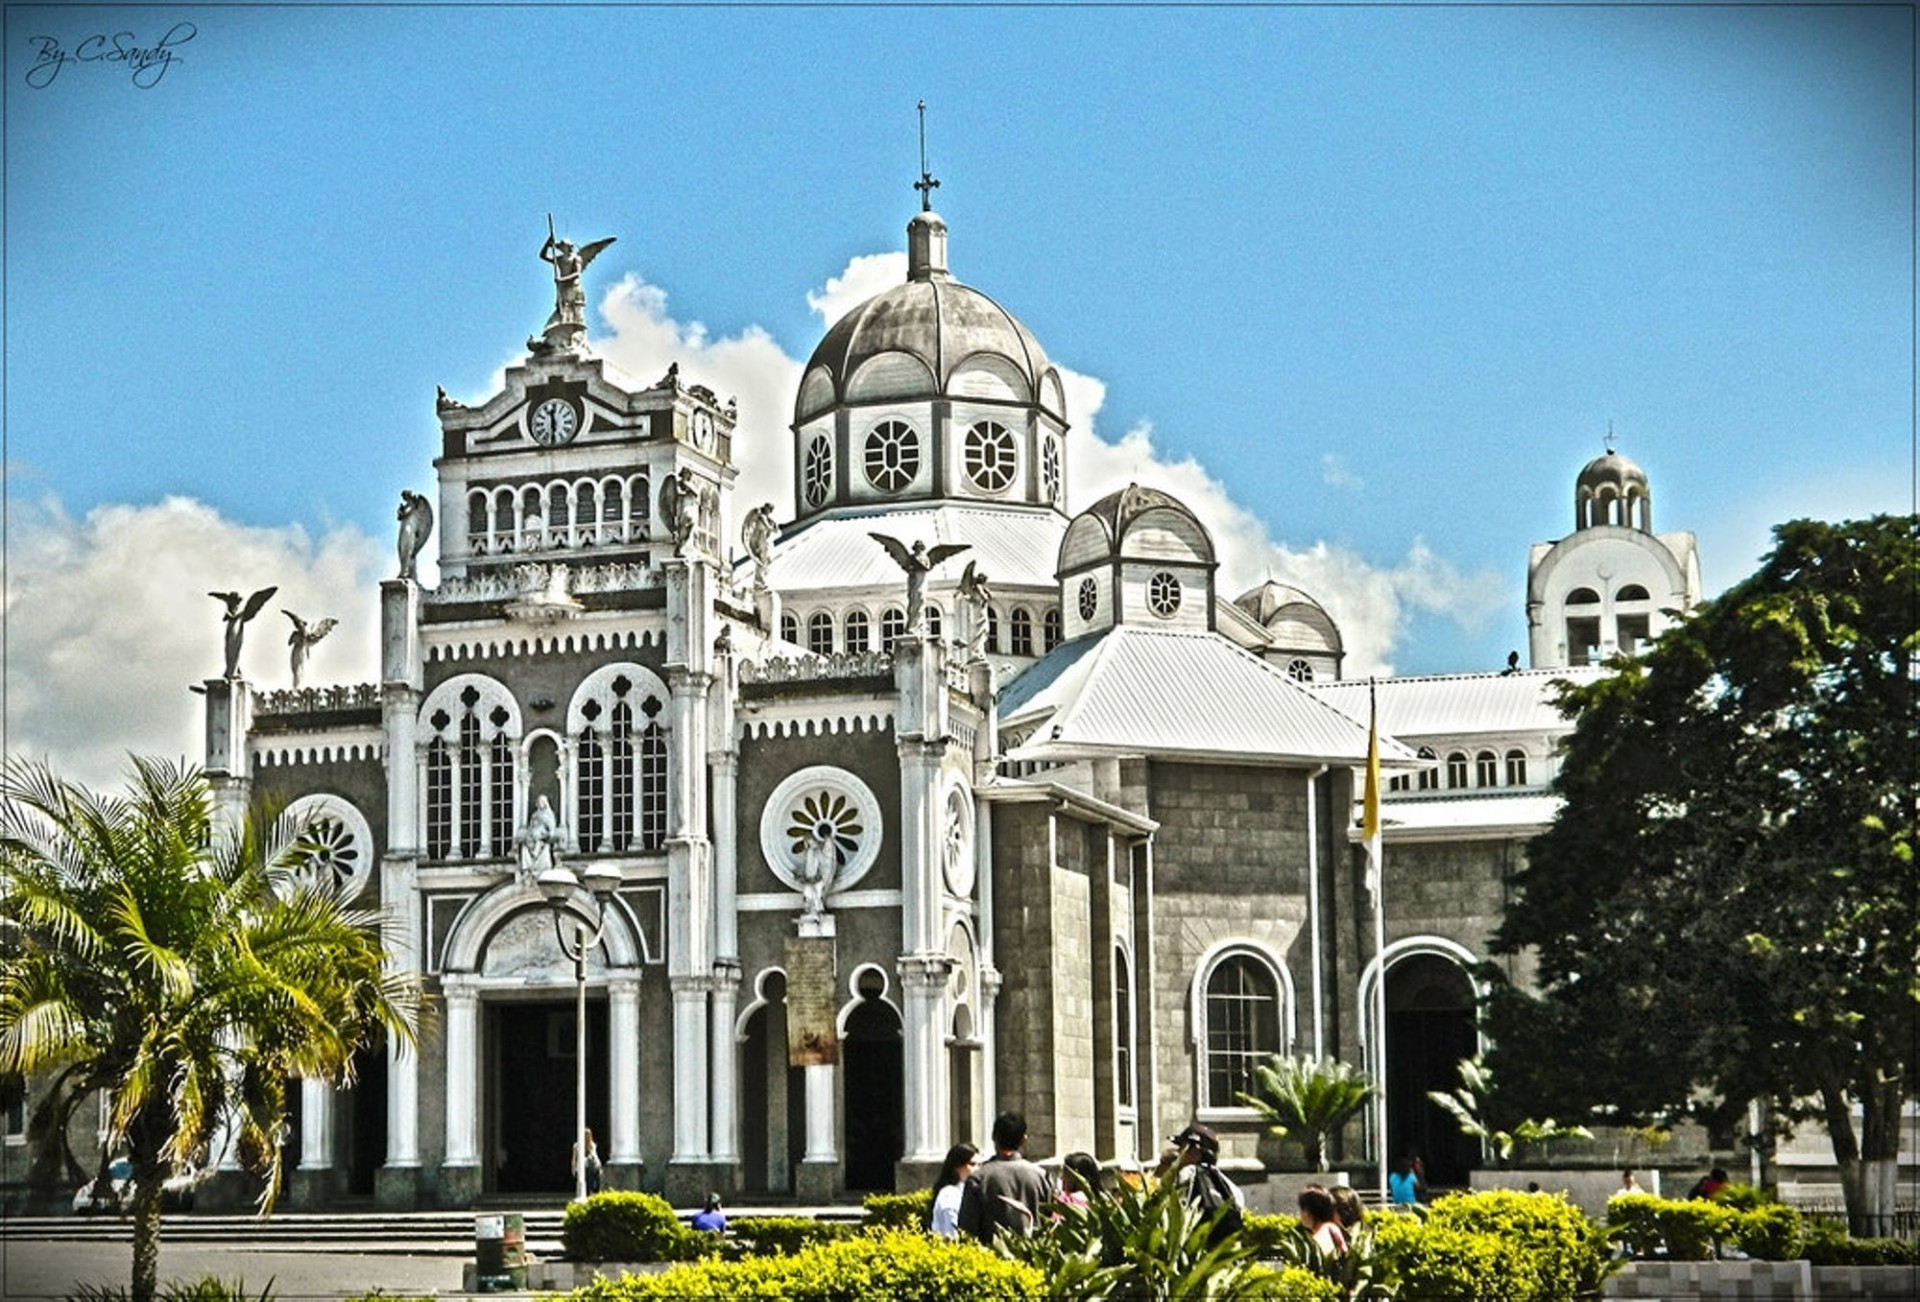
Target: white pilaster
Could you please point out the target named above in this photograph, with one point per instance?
(690, 1060)
(399, 891)
(923, 981)
(316, 1123)
(463, 1070)
(725, 1068)
(819, 1082)
(623, 1067)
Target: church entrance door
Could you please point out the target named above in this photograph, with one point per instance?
(874, 1095)
(1430, 1028)
(530, 1092)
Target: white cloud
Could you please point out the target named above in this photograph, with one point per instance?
(865, 276)
(108, 622)
(1334, 473)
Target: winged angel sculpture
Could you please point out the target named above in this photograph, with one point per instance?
(302, 640)
(567, 327)
(237, 616)
(917, 561)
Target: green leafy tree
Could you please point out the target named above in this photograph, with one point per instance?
(1724, 908)
(1308, 1098)
(1470, 1105)
(159, 958)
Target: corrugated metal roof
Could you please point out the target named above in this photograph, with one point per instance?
(1433, 817)
(1015, 547)
(1142, 691)
(1452, 705)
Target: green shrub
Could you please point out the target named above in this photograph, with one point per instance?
(1686, 1230)
(622, 1226)
(1266, 1234)
(900, 1266)
(1444, 1263)
(907, 1211)
(1133, 1244)
(1827, 1244)
(1288, 1284)
(1744, 1197)
(1771, 1232)
(776, 1236)
(208, 1288)
(1564, 1254)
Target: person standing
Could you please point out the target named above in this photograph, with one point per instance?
(1208, 1189)
(593, 1165)
(948, 1188)
(1404, 1185)
(1006, 1192)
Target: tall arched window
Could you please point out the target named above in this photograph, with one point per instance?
(893, 625)
(1429, 777)
(1021, 622)
(789, 626)
(1516, 768)
(1486, 770)
(471, 731)
(1050, 630)
(933, 619)
(1457, 769)
(993, 627)
(820, 633)
(620, 761)
(1242, 1012)
(1122, 1030)
(859, 631)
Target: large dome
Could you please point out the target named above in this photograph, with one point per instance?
(931, 337)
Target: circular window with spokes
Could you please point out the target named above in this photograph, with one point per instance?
(990, 457)
(1050, 470)
(892, 456)
(816, 472)
(1163, 594)
(1089, 598)
(322, 842)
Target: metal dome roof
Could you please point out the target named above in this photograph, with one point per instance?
(1611, 469)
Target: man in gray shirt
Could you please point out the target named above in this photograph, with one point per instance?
(1006, 1192)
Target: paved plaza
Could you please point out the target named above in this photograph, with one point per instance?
(53, 1268)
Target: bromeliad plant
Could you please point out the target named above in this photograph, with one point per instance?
(1308, 1098)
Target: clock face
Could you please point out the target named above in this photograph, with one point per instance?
(553, 422)
(703, 431)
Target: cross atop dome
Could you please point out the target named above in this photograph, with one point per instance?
(928, 182)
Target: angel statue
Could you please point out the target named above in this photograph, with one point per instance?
(302, 640)
(973, 610)
(917, 562)
(416, 522)
(756, 533)
(679, 503)
(237, 616)
(567, 327)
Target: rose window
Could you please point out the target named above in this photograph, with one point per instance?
(825, 820)
(322, 841)
(893, 456)
(990, 456)
(1163, 594)
(956, 842)
(1089, 598)
(816, 479)
(820, 829)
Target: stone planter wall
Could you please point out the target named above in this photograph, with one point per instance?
(1844, 1283)
(1685, 1281)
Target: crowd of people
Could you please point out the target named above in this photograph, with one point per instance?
(1007, 1193)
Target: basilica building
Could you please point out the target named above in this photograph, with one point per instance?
(925, 794)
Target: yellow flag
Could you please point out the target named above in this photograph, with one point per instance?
(1370, 808)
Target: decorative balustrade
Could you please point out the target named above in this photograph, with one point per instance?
(318, 700)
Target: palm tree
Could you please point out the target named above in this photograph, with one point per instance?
(1309, 1098)
(159, 957)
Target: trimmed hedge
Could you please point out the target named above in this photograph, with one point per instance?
(1444, 1263)
(902, 1266)
(1290, 1284)
(1687, 1229)
(778, 1236)
(623, 1226)
(907, 1211)
(1564, 1254)
(1827, 1244)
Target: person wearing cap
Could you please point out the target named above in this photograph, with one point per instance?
(1207, 1186)
(710, 1217)
(1005, 1192)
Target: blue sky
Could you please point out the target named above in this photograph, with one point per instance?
(1383, 275)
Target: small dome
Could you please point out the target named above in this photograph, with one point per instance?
(930, 337)
(1270, 598)
(1137, 522)
(1612, 490)
(1296, 621)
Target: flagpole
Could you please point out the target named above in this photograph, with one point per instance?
(1376, 888)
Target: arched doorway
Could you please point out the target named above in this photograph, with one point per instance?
(365, 1117)
(1430, 1028)
(873, 1089)
(772, 1096)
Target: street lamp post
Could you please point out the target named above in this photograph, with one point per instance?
(559, 885)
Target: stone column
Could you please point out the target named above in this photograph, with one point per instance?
(402, 677)
(819, 1083)
(463, 1070)
(725, 1129)
(316, 1123)
(923, 982)
(690, 1050)
(623, 1067)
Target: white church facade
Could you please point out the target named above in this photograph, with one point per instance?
(925, 795)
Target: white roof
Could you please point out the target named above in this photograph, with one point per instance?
(1452, 705)
(1145, 691)
(1439, 818)
(1015, 547)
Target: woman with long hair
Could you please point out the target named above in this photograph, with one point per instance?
(946, 1190)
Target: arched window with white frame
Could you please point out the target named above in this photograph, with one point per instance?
(859, 631)
(470, 726)
(1123, 1032)
(617, 721)
(1241, 1013)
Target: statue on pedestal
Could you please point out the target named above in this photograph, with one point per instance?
(679, 503)
(237, 616)
(537, 845)
(567, 327)
(756, 535)
(917, 562)
(974, 599)
(416, 523)
(302, 640)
